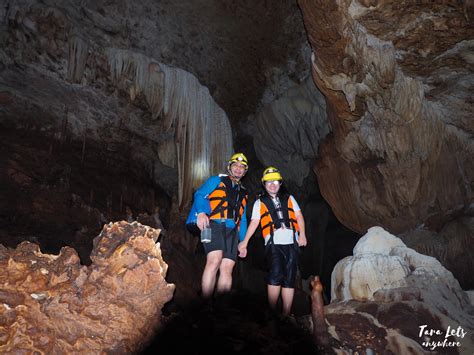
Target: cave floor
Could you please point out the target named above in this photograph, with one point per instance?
(237, 323)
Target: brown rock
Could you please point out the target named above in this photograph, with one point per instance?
(52, 304)
(397, 81)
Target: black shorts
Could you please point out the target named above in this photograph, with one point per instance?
(283, 264)
(224, 239)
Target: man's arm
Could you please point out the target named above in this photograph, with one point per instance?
(243, 225)
(203, 208)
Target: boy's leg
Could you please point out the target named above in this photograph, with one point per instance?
(273, 295)
(288, 285)
(287, 295)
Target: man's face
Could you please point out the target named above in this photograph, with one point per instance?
(237, 170)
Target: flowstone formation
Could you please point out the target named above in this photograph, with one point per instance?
(52, 304)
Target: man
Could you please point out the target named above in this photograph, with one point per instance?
(283, 228)
(220, 203)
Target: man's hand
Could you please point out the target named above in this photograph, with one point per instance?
(302, 240)
(242, 249)
(202, 220)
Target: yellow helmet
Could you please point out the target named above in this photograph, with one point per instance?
(271, 174)
(238, 158)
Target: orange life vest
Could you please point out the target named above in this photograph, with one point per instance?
(227, 201)
(269, 220)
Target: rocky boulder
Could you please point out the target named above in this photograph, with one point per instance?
(53, 304)
(394, 291)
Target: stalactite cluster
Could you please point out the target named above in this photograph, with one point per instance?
(202, 131)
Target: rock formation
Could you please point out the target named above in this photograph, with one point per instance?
(53, 304)
(398, 78)
(201, 134)
(397, 113)
(389, 292)
(288, 131)
(83, 125)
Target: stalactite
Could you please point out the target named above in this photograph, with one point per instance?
(84, 139)
(202, 132)
(78, 49)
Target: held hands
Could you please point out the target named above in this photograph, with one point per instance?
(242, 249)
(302, 240)
(202, 220)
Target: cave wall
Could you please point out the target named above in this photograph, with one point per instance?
(398, 81)
(400, 113)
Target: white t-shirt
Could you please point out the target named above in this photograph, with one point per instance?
(281, 235)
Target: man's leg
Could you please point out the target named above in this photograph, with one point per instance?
(273, 295)
(213, 261)
(287, 295)
(224, 284)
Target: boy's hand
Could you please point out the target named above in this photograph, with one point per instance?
(242, 249)
(302, 240)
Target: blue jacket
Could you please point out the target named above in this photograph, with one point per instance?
(201, 204)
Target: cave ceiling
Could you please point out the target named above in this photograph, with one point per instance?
(236, 49)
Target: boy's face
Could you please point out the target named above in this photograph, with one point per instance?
(272, 187)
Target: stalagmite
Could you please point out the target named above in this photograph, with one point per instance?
(202, 132)
(317, 313)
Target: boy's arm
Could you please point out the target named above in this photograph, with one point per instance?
(302, 237)
(250, 231)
